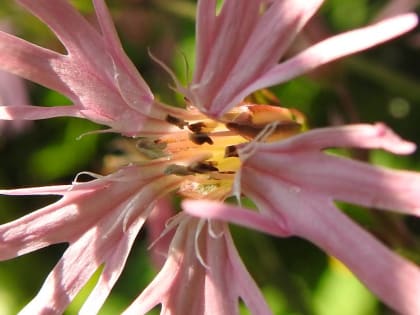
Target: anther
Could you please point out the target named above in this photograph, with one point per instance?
(153, 149)
(180, 170)
(197, 127)
(200, 138)
(203, 167)
(176, 121)
(231, 151)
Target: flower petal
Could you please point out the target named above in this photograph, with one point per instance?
(202, 275)
(364, 136)
(393, 279)
(32, 62)
(299, 163)
(74, 269)
(334, 48)
(106, 89)
(312, 216)
(227, 46)
(114, 265)
(208, 209)
(246, 286)
(59, 15)
(28, 112)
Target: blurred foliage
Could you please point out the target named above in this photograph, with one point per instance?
(296, 277)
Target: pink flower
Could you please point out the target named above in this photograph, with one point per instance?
(183, 151)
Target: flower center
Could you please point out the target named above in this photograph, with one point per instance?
(215, 141)
(203, 151)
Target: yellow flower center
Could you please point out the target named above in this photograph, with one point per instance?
(211, 145)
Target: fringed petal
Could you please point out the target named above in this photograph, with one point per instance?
(393, 279)
(129, 80)
(262, 34)
(217, 210)
(32, 62)
(300, 163)
(246, 287)
(297, 187)
(158, 236)
(364, 136)
(70, 27)
(105, 89)
(74, 269)
(202, 275)
(334, 48)
(28, 112)
(114, 265)
(277, 27)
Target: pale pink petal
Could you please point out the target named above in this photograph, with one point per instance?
(31, 62)
(349, 181)
(186, 286)
(394, 280)
(205, 29)
(155, 291)
(377, 136)
(59, 15)
(129, 79)
(299, 162)
(218, 210)
(309, 215)
(74, 269)
(275, 31)
(38, 229)
(106, 89)
(334, 48)
(229, 35)
(114, 265)
(246, 287)
(295, 183)
(227, 46)
(12, 91)
(156, 226)
(28, 112)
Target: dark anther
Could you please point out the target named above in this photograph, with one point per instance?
(200, 138)
(153, 149)
(180, 170)
(231, 151)
(203, 167)
(196, 127)
(176, 121)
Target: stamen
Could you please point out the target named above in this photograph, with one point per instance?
(200, 138)
(153, 149)
(180, 170)
(194, 168)
(203, 167)
(231, 151)
(197, 127)
(176, 121)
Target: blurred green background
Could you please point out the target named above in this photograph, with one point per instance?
(382, 84)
